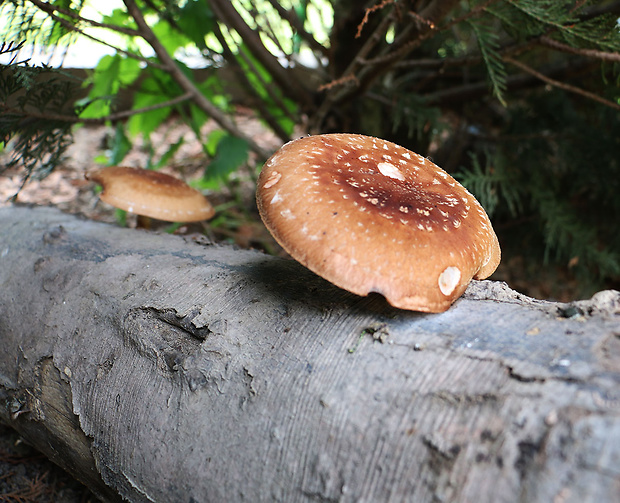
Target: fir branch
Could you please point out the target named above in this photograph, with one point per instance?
(561, 85)
(494, 185)
(553, 16)
(489, 49)
(568, 236)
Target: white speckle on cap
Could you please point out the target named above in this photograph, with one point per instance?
(449, 279)
(276, 197)
(486, 260)
(388, 169)
(272, 180)
(288, 214)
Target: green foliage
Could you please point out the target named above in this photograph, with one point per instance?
(471, 88)
(413, 112)
(553, 175)
(37, 143)
(561, 19)
(110, 74)
(494, 185)
(496, 71)
(230, 154)
(121, 145)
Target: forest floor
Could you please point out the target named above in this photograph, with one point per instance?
(26, 476)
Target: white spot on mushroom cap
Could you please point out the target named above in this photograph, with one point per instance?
(388, 169)
(273, 179)
(288, 214)
(276, 197)
(449, 279)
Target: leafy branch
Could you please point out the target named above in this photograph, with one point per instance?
(184, 81)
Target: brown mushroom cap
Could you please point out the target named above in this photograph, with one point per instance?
(371, 216)
(152, 194)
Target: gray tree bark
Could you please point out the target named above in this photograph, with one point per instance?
(157, 368)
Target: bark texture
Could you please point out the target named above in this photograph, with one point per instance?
(156, 368)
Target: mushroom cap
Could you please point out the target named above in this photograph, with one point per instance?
(152, 194)
(371, 216)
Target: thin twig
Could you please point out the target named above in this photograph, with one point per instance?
(334, 94)
(50, 9)
(99, 120)
(290, 85)
(185, 83)
(561, 85)
(431, 28)
(592, 53)
(291, 17)
(258, 100)
(367, 13)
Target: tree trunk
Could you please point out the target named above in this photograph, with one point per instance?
(157, 368)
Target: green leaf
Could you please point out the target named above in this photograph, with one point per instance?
(120, 17)
(105, 74)
(120, 145)
(129, 70)
(101, 159)
(231, 153)
(109, 75)
(214, 91)
(165, 158)
(154, 90)
(94, 108)
(196, 20)
(147, 122)
(171, 39)
(213, 141)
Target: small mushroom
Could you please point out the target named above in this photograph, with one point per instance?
(371, 216)
(151, 194)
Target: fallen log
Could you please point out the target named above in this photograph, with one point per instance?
(158, 368)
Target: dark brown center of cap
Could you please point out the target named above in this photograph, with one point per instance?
(399, 185)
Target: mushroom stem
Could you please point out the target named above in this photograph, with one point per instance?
(144, 222)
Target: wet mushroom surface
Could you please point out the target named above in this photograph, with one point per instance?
(372, 216)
